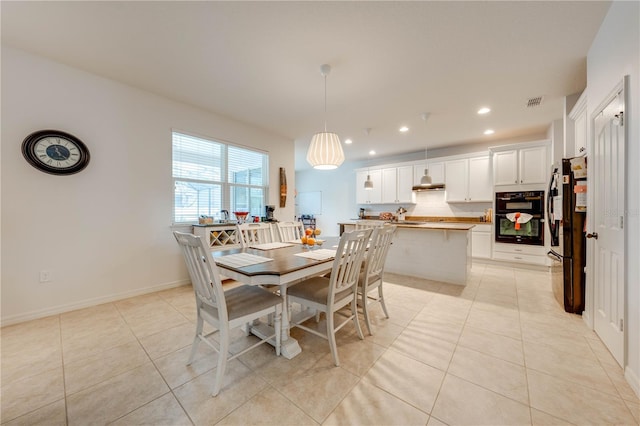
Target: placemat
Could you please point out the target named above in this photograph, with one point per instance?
(270, 246)
(241, 259)
(320, 254)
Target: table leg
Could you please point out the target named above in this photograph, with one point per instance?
(289, 346)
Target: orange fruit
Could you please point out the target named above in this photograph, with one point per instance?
(317, 231)
(311, 241)
(308, 231)
(303, 240)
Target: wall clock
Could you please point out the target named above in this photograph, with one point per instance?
(55, 152)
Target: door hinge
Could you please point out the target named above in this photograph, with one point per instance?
(621, 325)
(621, 222)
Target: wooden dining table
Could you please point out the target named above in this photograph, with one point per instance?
(284, 268)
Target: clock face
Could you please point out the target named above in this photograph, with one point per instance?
(55, 152)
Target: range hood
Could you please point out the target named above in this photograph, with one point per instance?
(426, 183)
(428, 187)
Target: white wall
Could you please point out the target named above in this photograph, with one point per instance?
(105, 232)
(613, 54)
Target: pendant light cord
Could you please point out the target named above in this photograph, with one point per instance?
(325, 103)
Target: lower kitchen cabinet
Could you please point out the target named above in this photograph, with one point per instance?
(481, 241)
(521, 253)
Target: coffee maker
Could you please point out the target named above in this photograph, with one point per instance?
(269, 214)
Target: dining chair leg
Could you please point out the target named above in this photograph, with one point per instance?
(196, 339)
(331, 336)
(222, 361)
(354, 313)
(381, 298)
(365, 311)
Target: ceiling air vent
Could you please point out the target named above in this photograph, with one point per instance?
(534, 102)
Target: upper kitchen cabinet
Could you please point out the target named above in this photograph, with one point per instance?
(396, 184)
(468, 180)
(436, 171)
(523, 165)
(369, 196)
(578, 116)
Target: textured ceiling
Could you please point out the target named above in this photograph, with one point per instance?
(258, 62)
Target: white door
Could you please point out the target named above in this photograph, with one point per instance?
(609, 205)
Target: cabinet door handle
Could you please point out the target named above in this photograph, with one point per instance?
(516, 181)
(517, 257)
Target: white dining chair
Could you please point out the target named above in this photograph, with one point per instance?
(224, 310)
(254, 233)
(329, 295)
(290, 231)
(371, 276)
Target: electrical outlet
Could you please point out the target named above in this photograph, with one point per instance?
(45, 276)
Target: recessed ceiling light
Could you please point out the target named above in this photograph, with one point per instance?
(489, 132)
(348, 141)
(484, 110)
(372, 152)
(404, 129)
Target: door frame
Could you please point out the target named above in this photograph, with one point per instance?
(589, 313)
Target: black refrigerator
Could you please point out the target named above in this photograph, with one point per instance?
(566, 204)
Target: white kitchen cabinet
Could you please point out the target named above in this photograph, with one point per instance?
(396, 184)
(369, 196)
(521, 166)
(468, 180)
(481, 241)
(436, 171)
(580, 122)
(521, 253)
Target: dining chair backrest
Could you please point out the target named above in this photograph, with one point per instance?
(290, 231)
(203, 272)
(376, 257)
(346, 267)
(369, 224)
(254, 233)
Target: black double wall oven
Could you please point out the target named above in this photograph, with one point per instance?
(519, 217)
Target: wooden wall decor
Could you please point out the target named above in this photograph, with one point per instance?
(283, 187)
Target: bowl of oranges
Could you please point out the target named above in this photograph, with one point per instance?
(310, 239)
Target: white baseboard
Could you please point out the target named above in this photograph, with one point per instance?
(632, 379)
(60, 309)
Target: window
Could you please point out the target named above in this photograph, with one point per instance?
(211, 176)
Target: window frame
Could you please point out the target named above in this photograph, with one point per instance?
(225, 184)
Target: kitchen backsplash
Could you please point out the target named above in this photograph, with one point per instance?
(432, 203)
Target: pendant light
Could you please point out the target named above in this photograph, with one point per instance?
(325, 151)
(426, 179)
(368, 184)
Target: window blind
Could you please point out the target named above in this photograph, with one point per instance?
(210, 176)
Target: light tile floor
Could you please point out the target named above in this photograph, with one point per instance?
(498, 351)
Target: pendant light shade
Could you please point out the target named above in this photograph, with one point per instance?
(426, 179)
(368, 184)
(325, 151)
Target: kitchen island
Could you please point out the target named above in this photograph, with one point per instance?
(432, 250)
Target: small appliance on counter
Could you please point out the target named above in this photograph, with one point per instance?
(361, 214)
(269, 214)
(401, 213)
